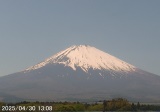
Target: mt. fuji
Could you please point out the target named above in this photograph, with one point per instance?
(81, 73)
(86, 57)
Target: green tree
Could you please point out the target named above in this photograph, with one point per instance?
(138, 106)
(133, 107)
(104, 105)
(98, 107)
(118, 104)
(64, 108)
(79, 107)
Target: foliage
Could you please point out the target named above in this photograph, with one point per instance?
(97, 107)
(118, 104)
(68, 106)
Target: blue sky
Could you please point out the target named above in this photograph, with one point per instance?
(32, 30)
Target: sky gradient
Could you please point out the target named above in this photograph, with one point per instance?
(33, 30)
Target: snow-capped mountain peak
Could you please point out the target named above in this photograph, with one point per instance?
(80, 73)
(86, 57)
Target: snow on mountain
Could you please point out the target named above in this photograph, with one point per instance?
(81, 73)
(86, 57)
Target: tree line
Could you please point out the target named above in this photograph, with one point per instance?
(118, 104)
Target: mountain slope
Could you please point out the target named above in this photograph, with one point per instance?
(82, 73)
(86, 57)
